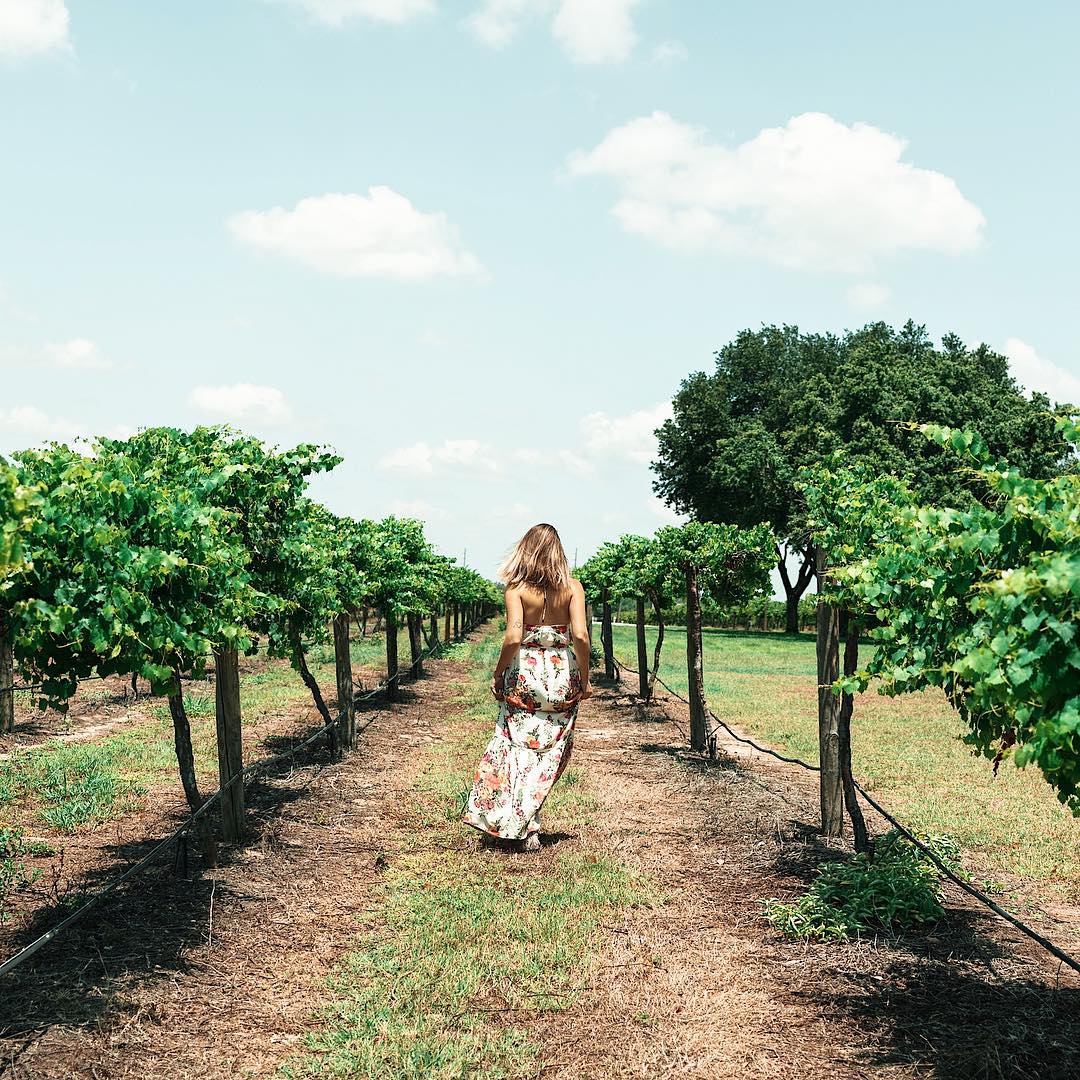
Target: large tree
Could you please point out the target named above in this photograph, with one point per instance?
(780, 399)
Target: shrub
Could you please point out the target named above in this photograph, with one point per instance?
(899, 889)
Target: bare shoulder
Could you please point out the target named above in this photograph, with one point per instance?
(576, 587)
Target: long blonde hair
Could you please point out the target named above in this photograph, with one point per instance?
(536, 559)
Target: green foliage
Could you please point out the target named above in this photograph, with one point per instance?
(13, 871)
(72, 784)
(733, 563)
(898, 890)
(981, 601)
(17, 506)
(780, 399)
(129, 570)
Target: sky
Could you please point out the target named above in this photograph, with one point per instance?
(475, 246)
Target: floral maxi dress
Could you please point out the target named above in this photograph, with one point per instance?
(533, 735)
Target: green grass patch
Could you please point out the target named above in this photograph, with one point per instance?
(896, 891)
(464, 943)
(907, 750)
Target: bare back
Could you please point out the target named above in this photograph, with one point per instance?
(533, 609)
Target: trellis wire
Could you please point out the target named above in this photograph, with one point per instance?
(970, 889)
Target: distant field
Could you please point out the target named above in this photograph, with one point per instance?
(906, 750)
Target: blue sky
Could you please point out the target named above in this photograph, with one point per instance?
(476, 245)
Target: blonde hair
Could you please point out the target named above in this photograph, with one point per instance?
(536, 559)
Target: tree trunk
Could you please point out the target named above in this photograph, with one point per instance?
(333, 742)
(642, 649)
(343, 671)
(7, 677)
(694, 673)
(606, 637)
(659, 643)
(588, 621)
(793, 590)
(847, 705)
(446, 623)
(391, 657)
(415, 666)
(828, 661)
(363, 620)
(230, 744)
(457, 621)
(378, 623)
(185, 758)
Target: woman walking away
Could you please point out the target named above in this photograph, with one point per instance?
(541, 676)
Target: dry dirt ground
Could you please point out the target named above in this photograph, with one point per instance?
(218, 975)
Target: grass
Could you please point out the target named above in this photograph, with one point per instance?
(907, 750)
(66, 785)
(464, 943)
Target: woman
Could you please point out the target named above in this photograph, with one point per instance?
(541, 676)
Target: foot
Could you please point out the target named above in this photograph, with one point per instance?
(532, 842)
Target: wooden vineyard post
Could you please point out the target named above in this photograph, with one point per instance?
(457, 614)
(343, 665)
(391, 656)
(229, 743)
(828, 669)
(7, 678)
(642, 649)
(606, 635)
(446, 624)
(847, 706)
(694, 671)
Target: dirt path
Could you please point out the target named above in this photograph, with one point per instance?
(704, 988)
(223, 976)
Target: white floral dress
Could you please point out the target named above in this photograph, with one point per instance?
(534, 733)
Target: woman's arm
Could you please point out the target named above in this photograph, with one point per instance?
(579, 633)
(511, 639)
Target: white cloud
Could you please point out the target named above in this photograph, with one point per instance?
(422, 459)
(669, 52)
(1036, 373)
(496, 22)
(814, 193)
(589, 31)
(595, 31)
(473, 457)
(78, 353)
(33, 28)
(339, 12)
(629, 436)
(868, 296)
(378, 235)
(242, 402)
(23, 427)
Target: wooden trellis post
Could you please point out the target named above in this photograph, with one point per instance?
(343, 670)
(446, 624)
(7, 678)
(230, 744)
(606, 635)
(694, 671)
(391, 656)
(642, 649)
(828, 669)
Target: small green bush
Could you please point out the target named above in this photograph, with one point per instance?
(13, 871)
(898, 890)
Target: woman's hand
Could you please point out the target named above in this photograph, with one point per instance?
(586, 690)
(497, 686)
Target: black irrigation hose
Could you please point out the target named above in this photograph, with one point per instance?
(1035, 936)
(27, 951)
